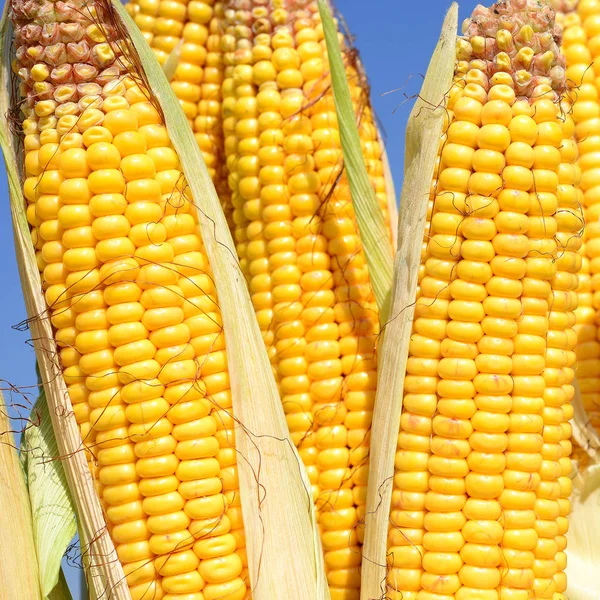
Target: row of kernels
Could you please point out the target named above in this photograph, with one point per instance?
(347, 373)
(444, 283)
(114, 438)
(353, 310)
(489, 359)
(241, 188)
(450, 427)
(560, 357)
(97, 342)
(412, 478)
(129, 319)
(541, 268)
(588, 346)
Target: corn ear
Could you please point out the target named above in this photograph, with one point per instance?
(370, 219)
(423, 132)
(271, 473)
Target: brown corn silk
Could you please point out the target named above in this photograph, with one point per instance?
(189, 32)
(132, 304)
(481, 489)
(578, 20)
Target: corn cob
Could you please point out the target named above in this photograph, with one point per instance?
(298, 245)
(190, 31)
(579, 21)
(480, 493)
(132, 304)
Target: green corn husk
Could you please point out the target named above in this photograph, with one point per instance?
(52, 509)
(371, 223)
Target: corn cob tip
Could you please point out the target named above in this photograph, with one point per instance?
(257, 19)
(65, 52)
(258, 5)
(520, 38)
(563, 7)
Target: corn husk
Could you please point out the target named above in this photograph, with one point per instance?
(170, 65)
(584, 433)
(391, 194)
(105, 571)
(283, 544)
(582, 537)
(52, 510)
(17, 551)
(582, 548)
(371, 224)
(423, 133)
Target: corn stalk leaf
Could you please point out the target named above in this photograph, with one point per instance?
(52, 509)
(105, 571)
(19, 574)
(284, 550)
(371, 223)
(423, 133)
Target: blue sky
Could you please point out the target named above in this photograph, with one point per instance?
(395, 39)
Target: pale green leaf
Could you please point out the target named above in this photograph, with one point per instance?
(371, 223)
(53, 513)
